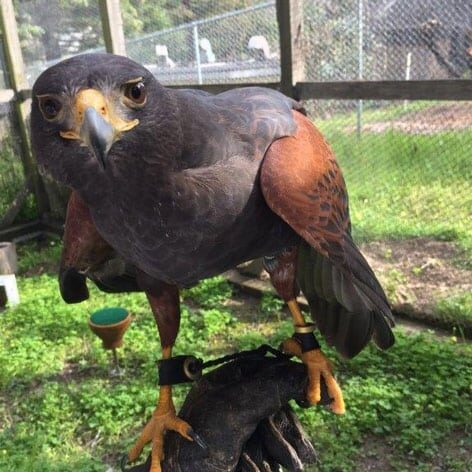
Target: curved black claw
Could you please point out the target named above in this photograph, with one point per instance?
(198, 439)
(303, 403)
(124, 463)
(144, 467)
(325, 398)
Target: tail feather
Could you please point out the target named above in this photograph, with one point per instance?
(347, 303)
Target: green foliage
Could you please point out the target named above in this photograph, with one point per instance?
(60, 410)
(39, 257)
(394, 279)
(49, 29)
(456, 309)
(409, 398)
(271, 304)
(12, 179)
(209, 292)
(404, 185)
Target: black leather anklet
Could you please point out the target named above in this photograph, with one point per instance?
(304, 335)
(179, 369)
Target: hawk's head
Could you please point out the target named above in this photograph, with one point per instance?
(98, 114)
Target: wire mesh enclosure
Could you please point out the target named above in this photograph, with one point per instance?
(409, 179)
(387, 40)
(12, 177)
(211, 42)
(53, 30)
(407, 162)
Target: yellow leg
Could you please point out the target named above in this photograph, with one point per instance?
(317, 364)
(163, 419)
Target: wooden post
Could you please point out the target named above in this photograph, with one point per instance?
(112, 25)
(18, 82)
(292, 64)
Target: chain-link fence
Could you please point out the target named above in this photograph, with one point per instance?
(11, 170)
(387, 39)
(3, 76)
(407, 164)
(12, 178)
(409, 177)
(211, 42)
(51, 30)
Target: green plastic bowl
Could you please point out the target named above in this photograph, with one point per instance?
(108, 316)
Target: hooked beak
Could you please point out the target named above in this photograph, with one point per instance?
(97, 134)
(96, 124)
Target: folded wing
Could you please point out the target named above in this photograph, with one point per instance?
(302, 183)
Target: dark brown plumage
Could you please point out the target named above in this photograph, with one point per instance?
(178, 185)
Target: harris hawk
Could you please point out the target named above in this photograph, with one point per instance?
(173, 186)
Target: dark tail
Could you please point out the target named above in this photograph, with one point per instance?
(347, 302)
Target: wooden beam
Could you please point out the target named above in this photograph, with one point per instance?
(16, 75)
(387, 90)
(54, 227)
(112, 25)
(292, 64)
(211, 88)
(13, 232)
(13, 55)
(24, 94)
(376, 90)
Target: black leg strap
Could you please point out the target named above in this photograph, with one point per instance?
(179, 369)
(304, 335)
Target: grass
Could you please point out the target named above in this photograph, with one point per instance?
(388, 111)
(405, 185)
(408, 408)
(456, 309)
(59, 409)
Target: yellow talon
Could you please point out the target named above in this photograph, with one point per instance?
(318, 366)
(163, 419)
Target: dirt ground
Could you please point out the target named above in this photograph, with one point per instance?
(437, 118)
(416, 273)
(375, 455)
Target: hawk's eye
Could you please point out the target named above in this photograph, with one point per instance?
(49, 106)
(136, 92)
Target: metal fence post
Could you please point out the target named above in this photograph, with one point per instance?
(292, 64)
(197, 54)
(112, 25)
(360, 70)
(16, 74)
